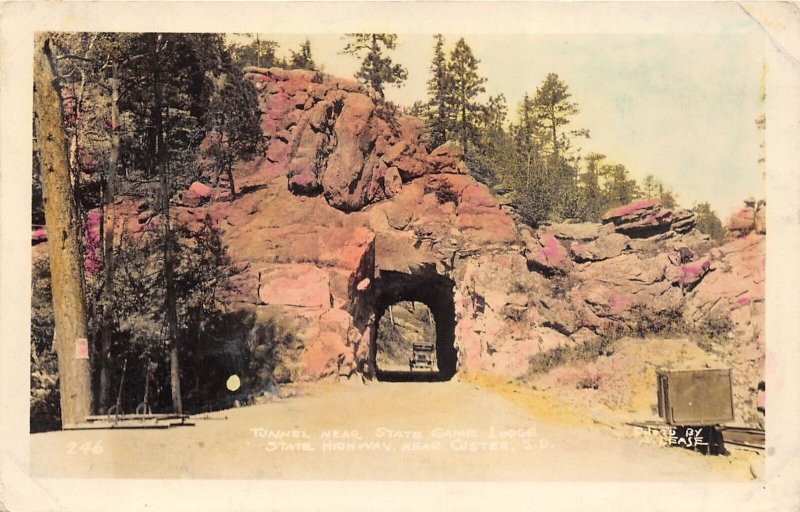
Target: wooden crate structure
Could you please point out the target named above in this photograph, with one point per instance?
(695, 397)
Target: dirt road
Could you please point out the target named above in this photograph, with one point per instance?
(385, 431)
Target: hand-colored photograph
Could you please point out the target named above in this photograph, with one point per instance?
(387, 256)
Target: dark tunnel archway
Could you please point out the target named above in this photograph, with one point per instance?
(436, 292)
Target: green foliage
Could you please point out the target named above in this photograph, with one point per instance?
(45, 406)
(376, 68)
(438, 110)
(202, 280)
(202, 275)
(258, 52)
(444, 193)
(707, 221)
(666, 322)
(184, 66)
(534, 161)
(233, 121)
(302, 59)
(554, 110)
(591, 195)
(211, 335)
(465, 85)
(619, 188)
(538, 165)
(652, 188)
(181, 67)
(45, 398)
(588, 351)
(494, 147)
(453, 111)
(542, 180)
(175, 91)
(417, 109)
(712, 331)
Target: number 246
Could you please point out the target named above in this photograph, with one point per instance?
(85, 448)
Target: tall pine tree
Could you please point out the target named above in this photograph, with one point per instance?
(233, 123)
(439, 116)
(302, 59)
(589, 187)
(467, 85)
(618, 187)
(554, 110)
(376, 68)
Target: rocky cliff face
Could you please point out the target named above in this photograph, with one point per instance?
(347, 213)
(751, 218)
(330, 136)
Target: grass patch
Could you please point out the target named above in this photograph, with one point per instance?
(543, 362)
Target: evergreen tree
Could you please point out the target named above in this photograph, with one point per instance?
(527, 135)
(418, 109)
(491, 157)
(493, 119)
(649, 186)
(89, 66)
(466, 85)
(554, 110)
(667, 197)
(589, 186)
(167, 96)
(136, 107)
(529, 178)
(707, 221)
(653, 189)
(233, 124)
(439, 116)
(618, 187)
(302, 59)
(528, 130)
(376, 68)
(258, 52)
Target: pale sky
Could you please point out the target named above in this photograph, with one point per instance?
(679, 106)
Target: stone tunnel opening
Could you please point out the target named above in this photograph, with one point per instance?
(413, 338)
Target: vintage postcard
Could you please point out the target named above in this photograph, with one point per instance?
(337, 256)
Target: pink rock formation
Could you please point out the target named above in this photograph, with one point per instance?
(38, 235)
(195, 195)
(753, 217)
(549, 255)
(632, 210)
(301, 285)
(689, 274)
(648, 219)
(347, 205)
(338, 140)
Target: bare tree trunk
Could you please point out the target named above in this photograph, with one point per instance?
(71, 342)
(464, 123)
(108, 245)
(170, 307)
